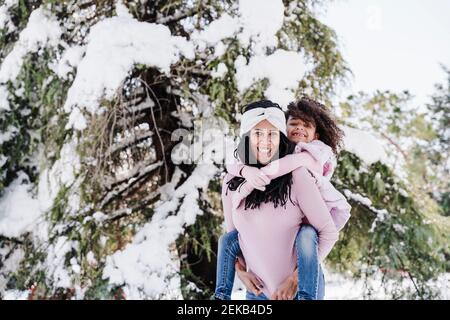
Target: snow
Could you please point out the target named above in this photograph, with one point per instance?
(135, 266)
(4, 104)
(3, 160)
(340, 286)
(381, 213)
(219, 49)
(62, 173)
(10, 263)
(357, 197)
(21, 207)
(76, 120)
(261, 21)
(364, 145)
(221, 28)
(114, 46)
(256, 24)
(5, 18)
(284, 69)
(399, 228)
(69, 60)
(18, 209)
(8, 134)
(122, 10)
(90, 258)
(57, 273)
(42, 30)
(220, 70)
(16, 295)
(148, 266)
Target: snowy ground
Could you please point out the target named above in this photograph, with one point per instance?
(338, 287)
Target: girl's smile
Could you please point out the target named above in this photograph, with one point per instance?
(301, 131)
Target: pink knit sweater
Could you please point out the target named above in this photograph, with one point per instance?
(267, 234)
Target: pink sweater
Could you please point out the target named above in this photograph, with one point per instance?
(267, 234)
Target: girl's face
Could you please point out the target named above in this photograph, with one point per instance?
(301, 131)
(264, 141)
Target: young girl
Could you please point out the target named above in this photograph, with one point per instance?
(318, 138)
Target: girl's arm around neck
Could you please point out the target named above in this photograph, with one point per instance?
(291, 162)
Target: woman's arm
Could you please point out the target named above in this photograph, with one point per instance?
(291, 162)
(239, 195)
(231, 200)
(226, 203)
(310, 201)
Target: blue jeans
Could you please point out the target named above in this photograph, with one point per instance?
(311, 282)
(310, 276)
(227, 252)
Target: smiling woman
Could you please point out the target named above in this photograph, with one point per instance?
(263, 224)
(264, 141)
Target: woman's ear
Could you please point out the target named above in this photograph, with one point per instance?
(317, 136)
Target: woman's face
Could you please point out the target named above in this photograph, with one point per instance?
(264, 141)
(301, 131)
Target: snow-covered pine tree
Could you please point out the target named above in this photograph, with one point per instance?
(107, 108)
(396, 242)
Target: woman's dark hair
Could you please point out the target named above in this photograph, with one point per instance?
(279, 189)
(309, 110)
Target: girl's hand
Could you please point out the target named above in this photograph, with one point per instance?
(287, 290)
(250, 281)
(255, 177)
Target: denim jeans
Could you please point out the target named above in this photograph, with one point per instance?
(310, 276)
(311, 282)
(228, 250)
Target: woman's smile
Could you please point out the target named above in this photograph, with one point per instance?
(264, 141)
(264, 150)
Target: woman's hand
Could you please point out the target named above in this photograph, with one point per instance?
(288, 289)
(255, 177)
(249, 279)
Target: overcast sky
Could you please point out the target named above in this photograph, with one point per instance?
(393, 44)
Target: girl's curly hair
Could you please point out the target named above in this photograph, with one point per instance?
(309, 110)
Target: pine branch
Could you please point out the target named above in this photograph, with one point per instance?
(13, 240)
(177, 16)
(127, 121)
(137, 173)
(132, 108)
(405, 156)
(135, 138)
(127, 211)
(149, 91)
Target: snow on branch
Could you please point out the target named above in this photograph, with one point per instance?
(114, 46)
(42, 30)
(135, 174)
